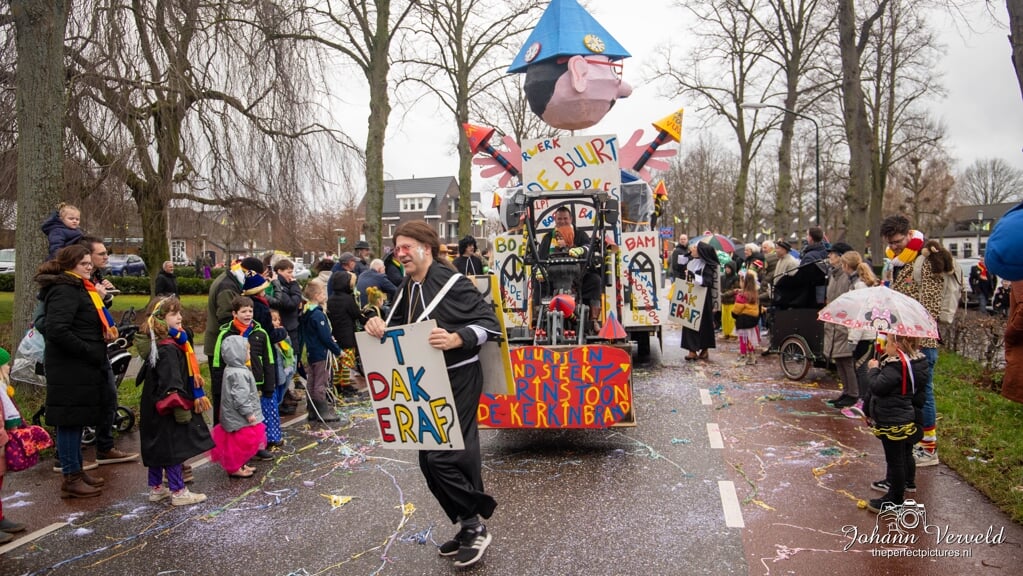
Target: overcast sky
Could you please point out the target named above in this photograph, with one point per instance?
(983, 110)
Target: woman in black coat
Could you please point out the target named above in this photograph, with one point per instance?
(703, 270)
(344, 315)
(76, 329)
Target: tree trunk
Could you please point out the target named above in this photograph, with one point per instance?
(41, 109)
(1015, 8)
(379, 115)
(739, 205)
(857, 129)
(152, 205)
(464, 165)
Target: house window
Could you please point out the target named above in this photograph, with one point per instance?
(452, 230)
(954, 249)
(967, 250)
(452, 205)
(981, 249)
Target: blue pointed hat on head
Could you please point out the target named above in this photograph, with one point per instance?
(566, 29)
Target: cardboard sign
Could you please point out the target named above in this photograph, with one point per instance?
(564, 387)
(572, 163)
(495, 358)
(408, 384)
(641, 275)
(513, 277)
(686, 306)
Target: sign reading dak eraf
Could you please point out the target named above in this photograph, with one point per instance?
(572, 163)
(409, 386)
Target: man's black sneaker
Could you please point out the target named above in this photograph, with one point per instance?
(845, 402)
(834, 402)
(472, 552)
(884, 486)
(450, 548)
(878, 505)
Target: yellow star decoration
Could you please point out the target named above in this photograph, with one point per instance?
(337, 501)
(407, 509)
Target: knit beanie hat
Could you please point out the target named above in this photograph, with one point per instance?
(255, 283)
(5, 356)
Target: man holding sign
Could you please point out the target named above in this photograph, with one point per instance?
(464, 323)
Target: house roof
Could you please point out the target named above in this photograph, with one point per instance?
(437, 187)
(961, 217)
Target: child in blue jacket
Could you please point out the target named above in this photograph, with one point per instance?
(317, 340)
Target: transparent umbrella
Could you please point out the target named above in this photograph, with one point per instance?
(882, 309)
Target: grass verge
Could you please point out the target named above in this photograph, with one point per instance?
(978, 433)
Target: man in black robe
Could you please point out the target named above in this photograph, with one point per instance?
(464, 323)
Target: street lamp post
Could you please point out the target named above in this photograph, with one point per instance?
(817, 148)
(980, 225)
(340, 239)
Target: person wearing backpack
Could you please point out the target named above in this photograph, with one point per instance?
(982, 283)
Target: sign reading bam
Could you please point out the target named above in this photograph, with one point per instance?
(572, 163)
(409, 386)
(641, 273)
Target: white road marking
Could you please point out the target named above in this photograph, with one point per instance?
(730, 504)
(714, 433)
(705, 397)
(30, 537)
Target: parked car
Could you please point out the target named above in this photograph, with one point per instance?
(7, 261)
(126, 265)
(966, 264)
(301, 272)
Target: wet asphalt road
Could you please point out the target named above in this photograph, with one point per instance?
(643, 500)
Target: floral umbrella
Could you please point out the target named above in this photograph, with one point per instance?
(882, 309)
(717, 241)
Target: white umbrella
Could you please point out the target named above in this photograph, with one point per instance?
(882, 309)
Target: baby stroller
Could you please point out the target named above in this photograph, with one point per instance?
(28, 368)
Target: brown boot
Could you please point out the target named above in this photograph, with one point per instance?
(94, 481)
(75, 487)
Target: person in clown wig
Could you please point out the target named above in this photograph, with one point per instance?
(913, 276)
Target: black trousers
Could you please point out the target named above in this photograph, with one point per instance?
(898, 454)
(455, 477)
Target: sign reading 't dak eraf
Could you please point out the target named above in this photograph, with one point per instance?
(408, 384)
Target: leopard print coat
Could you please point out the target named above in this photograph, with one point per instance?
(926, 292)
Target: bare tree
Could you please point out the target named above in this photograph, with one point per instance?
(504, 106)
(1015, 9)
(187, 100)
(40, 104)
(727, 66)
(921, 188)
(700, 189)
(363, 31)
(795, 32)
(990, 181)
(468, 44)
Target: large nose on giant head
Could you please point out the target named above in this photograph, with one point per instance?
(624, 89)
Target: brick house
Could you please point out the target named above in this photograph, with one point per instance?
(434, 200)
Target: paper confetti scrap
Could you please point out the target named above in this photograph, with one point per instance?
(337, 501)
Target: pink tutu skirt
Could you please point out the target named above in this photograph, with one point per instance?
(234, 449)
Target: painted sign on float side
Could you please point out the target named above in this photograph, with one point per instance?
(410, 390)
(563, 387)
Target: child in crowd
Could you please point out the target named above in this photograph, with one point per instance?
(284, 358)
(729, 288)
(9, 418)
(169, 435)
(317, 341)
(894, 409)
(262, 364)
(1000, 302)
(61, 228)
(345, 318)
(241, 432)
(746, 312)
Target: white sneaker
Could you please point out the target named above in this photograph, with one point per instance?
(925, 457)
(158, 494)
(186, 498)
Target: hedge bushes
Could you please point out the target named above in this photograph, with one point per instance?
(131, 284)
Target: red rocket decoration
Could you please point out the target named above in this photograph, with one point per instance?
(479, 141)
